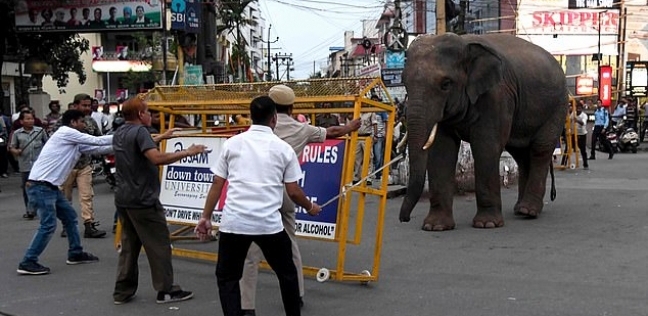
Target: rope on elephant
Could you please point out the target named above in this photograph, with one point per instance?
(348, 186)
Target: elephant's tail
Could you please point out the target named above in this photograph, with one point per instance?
(553, 181)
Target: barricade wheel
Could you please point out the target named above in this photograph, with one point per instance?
(323, 275)
(213, 235)
(118, 248)
(572, 166)
(366, 273)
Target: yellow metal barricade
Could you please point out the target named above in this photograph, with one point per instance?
(570, 154)
(348, 96)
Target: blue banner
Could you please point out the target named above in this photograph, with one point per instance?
(185, 15)
(321, 179)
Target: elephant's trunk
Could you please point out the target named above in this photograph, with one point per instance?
(417, 128)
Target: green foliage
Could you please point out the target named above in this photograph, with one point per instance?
(61, 51)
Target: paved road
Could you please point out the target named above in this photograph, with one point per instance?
(585, 255)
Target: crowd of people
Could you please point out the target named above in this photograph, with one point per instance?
(53, 156)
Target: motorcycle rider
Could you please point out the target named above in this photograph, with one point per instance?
(601, 123)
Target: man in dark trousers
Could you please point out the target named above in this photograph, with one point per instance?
(601, 124)
(251, 212)
(137, 200)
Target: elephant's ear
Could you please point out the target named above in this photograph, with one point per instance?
(484, 70)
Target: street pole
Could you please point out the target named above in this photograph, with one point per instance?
(276, 58)
(620, 58)
(269, 74)
(164, 44)
(440, 17)
(598, 56)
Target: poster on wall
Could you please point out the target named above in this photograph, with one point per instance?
(562, 31)
(185, 184)
(637, 78)
(87, 16)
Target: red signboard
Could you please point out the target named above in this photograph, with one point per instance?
(605, 85)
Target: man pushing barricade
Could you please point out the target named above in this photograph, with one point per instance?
(297, 135)
(254, 195)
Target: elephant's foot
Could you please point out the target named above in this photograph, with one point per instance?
(488, 220)
(526, 210)
(438, 222)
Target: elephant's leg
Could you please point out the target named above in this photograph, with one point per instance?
(531, 203)
(523, 160)
(487, 184)
(441, 167)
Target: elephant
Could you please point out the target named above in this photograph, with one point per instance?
(496, 92)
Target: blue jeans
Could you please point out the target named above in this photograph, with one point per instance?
(50, 203)
(379, 154)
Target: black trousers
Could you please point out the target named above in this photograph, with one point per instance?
(232, 250)
(582, 146)
(598, 134)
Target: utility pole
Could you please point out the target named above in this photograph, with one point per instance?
(269, 73)
(620, 58)
(286, 59)
(440, 17)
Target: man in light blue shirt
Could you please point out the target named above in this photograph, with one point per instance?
(601, 123)
(50, 170)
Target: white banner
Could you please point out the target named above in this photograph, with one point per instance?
(550, 25)
(185, 184)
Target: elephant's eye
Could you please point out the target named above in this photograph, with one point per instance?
(446, 84)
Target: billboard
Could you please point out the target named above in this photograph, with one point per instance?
(185, 15)
(637, 78)
(185, 184)
(593, 4)
(560, 31)
(87, 16)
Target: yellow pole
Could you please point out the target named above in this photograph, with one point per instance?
(180, 66)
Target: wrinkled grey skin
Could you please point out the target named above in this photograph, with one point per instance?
(496, 92)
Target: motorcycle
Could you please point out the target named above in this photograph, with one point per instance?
(628, 138)
(613, 140)
(109, 168)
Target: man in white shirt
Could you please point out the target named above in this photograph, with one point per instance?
(580, 123)
(297, 135)
(251, 211)
(49, 172)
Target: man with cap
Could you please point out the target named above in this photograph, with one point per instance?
(82, 172)
(297, 135)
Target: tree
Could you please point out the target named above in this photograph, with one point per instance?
(232, 15)
(60, 50)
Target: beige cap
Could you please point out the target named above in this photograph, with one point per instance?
(282, 95)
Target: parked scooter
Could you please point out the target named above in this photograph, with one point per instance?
(628, 138)
(613, 140)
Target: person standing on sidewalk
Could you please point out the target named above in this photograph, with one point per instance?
(251, 212)
(297, 135)
(601, 123)
(82, 174)
(26, 144)
(580, 122)
(137, 199)
(57, 158)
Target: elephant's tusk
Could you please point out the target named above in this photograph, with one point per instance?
(431, 138)
(401, 144)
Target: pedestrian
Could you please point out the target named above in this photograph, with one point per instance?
(297, 135)
(26, 145)
(379, 129)
(52, 117)
(601, 124)
(368, 123)
(251, 211)
(137, 201)
(580, 120)
(82, 174)
(4, 154)
(55, 162)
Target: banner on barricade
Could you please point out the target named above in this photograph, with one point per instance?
(185, 184)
